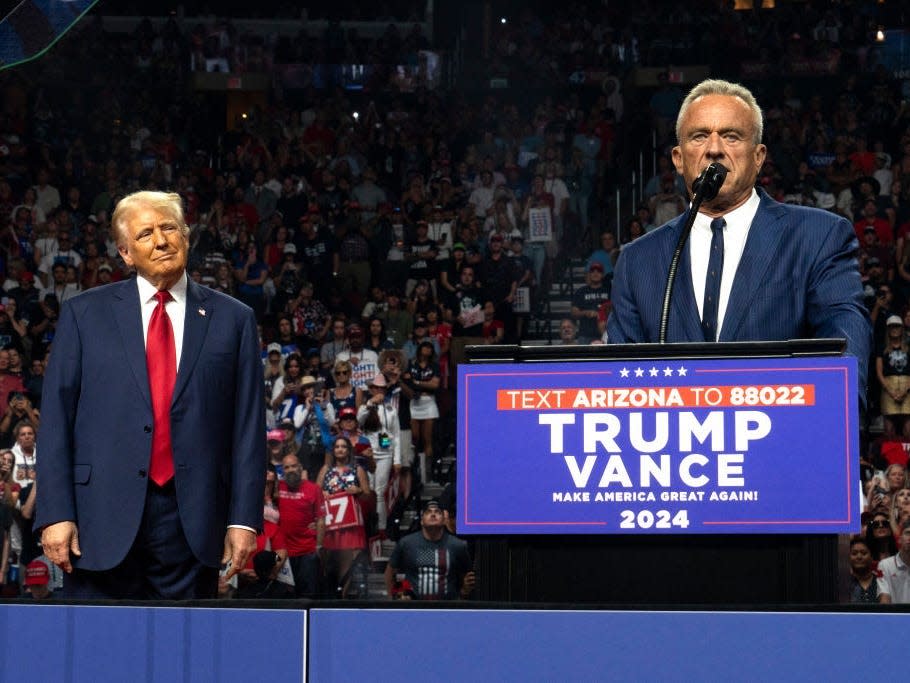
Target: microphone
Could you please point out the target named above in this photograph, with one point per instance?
(704, 187)
(709, 182)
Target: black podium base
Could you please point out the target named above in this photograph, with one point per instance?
(697, 570)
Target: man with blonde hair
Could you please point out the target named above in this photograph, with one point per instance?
(152, 420)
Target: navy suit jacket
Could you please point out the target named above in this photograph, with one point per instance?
(96, 423)
(798, 278)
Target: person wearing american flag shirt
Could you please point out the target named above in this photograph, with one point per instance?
(435, 563)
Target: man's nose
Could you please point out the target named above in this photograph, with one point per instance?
(715, 146)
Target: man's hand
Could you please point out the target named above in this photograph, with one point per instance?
(468, 584)
(58, 541)
(239, 545)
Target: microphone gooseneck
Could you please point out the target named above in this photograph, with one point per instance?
(704, 187)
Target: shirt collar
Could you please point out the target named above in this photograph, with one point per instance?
(147, 290)
(741, 215)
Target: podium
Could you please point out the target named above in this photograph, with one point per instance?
(533, 546)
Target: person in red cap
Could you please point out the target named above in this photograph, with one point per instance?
(37, 580)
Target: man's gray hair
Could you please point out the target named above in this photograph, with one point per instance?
(716, 86)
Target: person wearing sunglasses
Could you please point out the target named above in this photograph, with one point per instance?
(879, 536)
(344, 394)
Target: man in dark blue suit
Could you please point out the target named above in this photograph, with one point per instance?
(778, 271)
(136, 502)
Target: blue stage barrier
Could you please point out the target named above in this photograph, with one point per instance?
(466, 645)
(150, 644)
(103, 643)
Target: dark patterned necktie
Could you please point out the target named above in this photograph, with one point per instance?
(712, 280)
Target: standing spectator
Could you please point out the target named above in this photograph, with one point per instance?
(311, 317)
(379, 422)
(435, 563)
(317, 252)
(500, 279)
(894, 583)
(343, 482)
(354, 270)
(302, 512)
(329, 351)
(464, 309)
(587, 302)
(421, 256)
(422, 377)
(364, 362)
(344, 394)
(286, 389)
(668, 203)
(892, 367)
(251, 274)
(47, 197)
(20, 412)
(26, 453)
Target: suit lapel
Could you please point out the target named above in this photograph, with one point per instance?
(761, 250)
(684, 308)
(128, 317)
(195, 326)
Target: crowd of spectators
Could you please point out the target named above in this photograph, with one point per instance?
(377, 234)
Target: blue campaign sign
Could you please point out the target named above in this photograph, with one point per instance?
(711, 446)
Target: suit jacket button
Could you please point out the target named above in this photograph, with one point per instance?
(147, 429)
(142, 474)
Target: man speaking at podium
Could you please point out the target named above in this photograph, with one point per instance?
(753, 269)
(152, 452)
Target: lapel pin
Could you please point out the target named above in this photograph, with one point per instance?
(202, 312)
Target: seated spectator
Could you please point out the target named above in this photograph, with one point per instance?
(863, 574)
(37, 580)
(607, 254)
(415, 556)
(568, 331)
(587, 301)
(267, 564)
(493, 329)
(894, 582)
(879, 536)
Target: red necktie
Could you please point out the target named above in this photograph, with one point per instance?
(161, 360)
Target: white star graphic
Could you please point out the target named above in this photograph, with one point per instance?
(639, 372)
(668, 371)
(681, 372)
(653, 371)
(624, 372)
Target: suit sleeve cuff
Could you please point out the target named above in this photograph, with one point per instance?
(242, 526)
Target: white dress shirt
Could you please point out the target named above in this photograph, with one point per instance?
(176, 309)
(736, 231)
